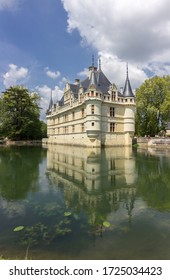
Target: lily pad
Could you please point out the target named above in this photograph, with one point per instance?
(67, 214)
(18, 228)
(106, 224)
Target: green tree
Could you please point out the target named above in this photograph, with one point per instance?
(19, 115)
(153, 106)
(43, 129)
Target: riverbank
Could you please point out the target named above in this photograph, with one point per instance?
(21, 143)
(160, 142)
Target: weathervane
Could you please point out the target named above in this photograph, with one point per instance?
(99, 62)
(93, 60)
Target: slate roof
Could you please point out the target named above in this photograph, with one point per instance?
(127, 91)
(101, 83)
(97, 78)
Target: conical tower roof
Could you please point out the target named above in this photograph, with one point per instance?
(127, 91)
(51, 102)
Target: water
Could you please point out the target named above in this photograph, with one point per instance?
(81, 203)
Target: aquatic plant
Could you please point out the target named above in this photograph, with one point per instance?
(18, 228)
(67, 214)
(106, 224)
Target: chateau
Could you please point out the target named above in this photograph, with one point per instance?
(93, 113)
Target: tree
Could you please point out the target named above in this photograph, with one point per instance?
(19, 115)
(43, 129)
(153, 106)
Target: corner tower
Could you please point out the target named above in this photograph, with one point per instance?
(129, 113)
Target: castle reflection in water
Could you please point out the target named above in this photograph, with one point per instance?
(92, 177)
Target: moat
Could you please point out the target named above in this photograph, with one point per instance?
(60, 202)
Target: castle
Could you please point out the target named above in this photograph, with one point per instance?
(93, 113)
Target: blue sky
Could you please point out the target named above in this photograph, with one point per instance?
(34, 35)
(43, 43)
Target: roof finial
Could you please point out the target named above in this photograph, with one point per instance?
(99, 62)
(127, 70)
(93, 60)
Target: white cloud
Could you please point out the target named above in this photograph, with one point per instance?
(115, 70)
(83, 73)
(9, 4)
(131, 31)
(52, 74)
(14, 76)
(62, 82)
(44, 91)
(45, 94)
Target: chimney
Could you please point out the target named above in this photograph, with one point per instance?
(77, 81)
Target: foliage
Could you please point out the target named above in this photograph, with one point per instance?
(40, 232)
(153, 106)
(19, 114)
(43, 129)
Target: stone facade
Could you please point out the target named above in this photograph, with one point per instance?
(92, 113)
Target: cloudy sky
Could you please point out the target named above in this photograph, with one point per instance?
(43, 43)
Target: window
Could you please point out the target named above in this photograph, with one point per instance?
(112, 127)
(113, 95)
(92, 109)
(73, 115)
(73, 128)
(112, 164)
(92, 123)
(82, 112)
(92, 93)
(65, 118)
(82, 127)
(112, 111)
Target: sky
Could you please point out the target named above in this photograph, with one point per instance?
(44, 43)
